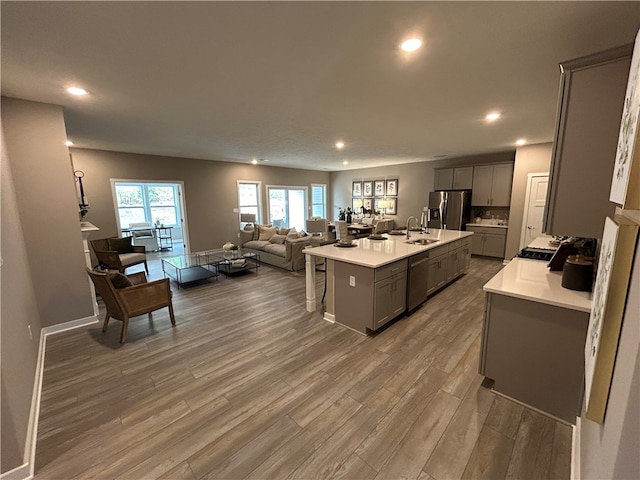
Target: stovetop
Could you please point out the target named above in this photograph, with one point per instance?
(536, 254)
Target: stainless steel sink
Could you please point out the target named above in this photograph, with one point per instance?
(422, 241)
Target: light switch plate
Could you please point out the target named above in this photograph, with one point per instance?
(352, 281)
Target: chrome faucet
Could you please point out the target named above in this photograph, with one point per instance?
(415, 221)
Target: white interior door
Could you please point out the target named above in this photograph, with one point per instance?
(536, 198)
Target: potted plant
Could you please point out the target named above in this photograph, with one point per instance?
(342, 214)
(349, 213)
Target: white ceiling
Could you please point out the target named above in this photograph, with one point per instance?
(284, 81)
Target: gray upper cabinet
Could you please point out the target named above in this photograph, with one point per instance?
(592, 91)
(462, 178)
(459, 178)
(492, 185)
(443, 179)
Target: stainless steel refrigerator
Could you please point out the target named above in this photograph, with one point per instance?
(450, 209)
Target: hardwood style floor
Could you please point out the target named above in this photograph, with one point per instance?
(250, 385)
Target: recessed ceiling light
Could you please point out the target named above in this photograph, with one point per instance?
(254, 161)
(345, 162)
(76, 91)
(411, 44)
(520, 142)
(492, 117)
(340, 145)
(68, 143)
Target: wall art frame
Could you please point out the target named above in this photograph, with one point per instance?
(391, 209)
(605, 322)
(356, 189)
(391, 187)
(379, 188)
(367, 188)
(625, 182)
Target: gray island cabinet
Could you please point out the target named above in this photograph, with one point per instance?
(533, 338)
(378, 280)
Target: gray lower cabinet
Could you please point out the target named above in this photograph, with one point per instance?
(534, 352)
(438, 273)
(367, 298)
(389, 298)
(488, 241)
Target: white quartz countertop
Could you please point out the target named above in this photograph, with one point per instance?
(492, 225)
(376, 253)
(532, 280)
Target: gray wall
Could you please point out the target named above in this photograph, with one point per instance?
(415, 181)
(18, 353)
(611, 450)
(529, 159)
(44, 281)
(210, 189)
(48, 209)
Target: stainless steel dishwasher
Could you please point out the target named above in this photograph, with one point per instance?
(418, 276)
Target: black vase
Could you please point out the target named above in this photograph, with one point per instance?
(348, 218)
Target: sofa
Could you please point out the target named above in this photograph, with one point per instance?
(279, 247)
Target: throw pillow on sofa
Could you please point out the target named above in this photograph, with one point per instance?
(245, 236)
(266, 233)
(278, 239)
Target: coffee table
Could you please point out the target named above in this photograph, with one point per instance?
(229, 263)
(190, 267)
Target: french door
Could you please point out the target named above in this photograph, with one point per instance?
(287, 206)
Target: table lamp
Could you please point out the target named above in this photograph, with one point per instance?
(248, 218)
(384, 204)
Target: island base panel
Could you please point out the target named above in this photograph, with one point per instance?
(535, 353)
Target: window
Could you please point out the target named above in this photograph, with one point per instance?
(287, 206)
(147, 202)
(318, 201)
(249, 199)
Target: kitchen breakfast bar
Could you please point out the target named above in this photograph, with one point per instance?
(372, 282)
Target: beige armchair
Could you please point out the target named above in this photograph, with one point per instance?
(135, 297)
(144, 236)
(118, 253)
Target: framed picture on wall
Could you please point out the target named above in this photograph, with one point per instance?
(607, 310)
(367, 203)
(356, 189)
(378, 188)
(392, 188)
(367, 188)
(388, 206)
(625, 184)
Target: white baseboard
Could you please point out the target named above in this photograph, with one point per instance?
(575, 450)
(19, 473)
(329, 317)
(63, 327)
(26, 470)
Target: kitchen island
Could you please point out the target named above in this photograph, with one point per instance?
(375, 281)
(533, 338)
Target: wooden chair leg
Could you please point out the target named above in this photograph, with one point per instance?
(123, 333)
(173, 319)
(106, 322)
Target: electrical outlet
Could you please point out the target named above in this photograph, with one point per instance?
(238, 234)
(352, 281)
(236, 210)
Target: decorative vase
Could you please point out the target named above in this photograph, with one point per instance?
(348, 218)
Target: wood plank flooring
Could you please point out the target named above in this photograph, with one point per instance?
(250, 385)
